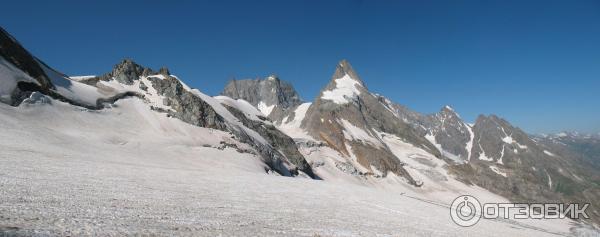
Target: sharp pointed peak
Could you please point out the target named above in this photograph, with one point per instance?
(127, 71)
(448, 108)
(164, 71)
(272, 77)
(344, 63)
(127, 63)
(344, 68)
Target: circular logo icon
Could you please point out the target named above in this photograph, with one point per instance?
(465, 210)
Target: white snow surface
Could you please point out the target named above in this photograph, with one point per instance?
(497, 170)
(156, 100)
(508, 140)
(80, 78)
(352, 132)
(151, 95)
(266, 110)
(73, 90)
(521, 146)
(501, 159)
(292, 128)
(549, 153)
(159, 76)
(431, 138)
(128, 171)
(243, 105)
(482, 155)
(469, 145)
(346, 88)
(221, 110)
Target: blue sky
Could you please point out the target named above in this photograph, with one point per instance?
(535, 63)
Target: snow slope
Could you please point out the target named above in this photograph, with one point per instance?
(73, 90)
(292, 128)
(128, 170)
(346, 88)
(250, 111)
(264, 109)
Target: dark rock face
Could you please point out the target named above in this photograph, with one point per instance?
(19, 57)
(13, 52)
(164, 71)
(280, 142)
(37, 98)
(344, 68)
(496, 139)
(450, 132)
(534, 171)
(193, 110)
(585, 146)
(187, 106)
(446, 127)
(126, 72)
(270, 91)
(531, 173)
(581, 153)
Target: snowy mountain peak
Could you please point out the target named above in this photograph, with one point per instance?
(344, 69)
(448, 108)
(449, 111)
(342, 90)
(353, 121)
(345, 85)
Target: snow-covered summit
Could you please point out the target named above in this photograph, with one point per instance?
(346, 90)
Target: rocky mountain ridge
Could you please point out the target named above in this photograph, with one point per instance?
(272, 96)
(164, 93)
(346, 130)
(490, 153)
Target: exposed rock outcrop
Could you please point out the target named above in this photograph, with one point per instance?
(272, 96)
